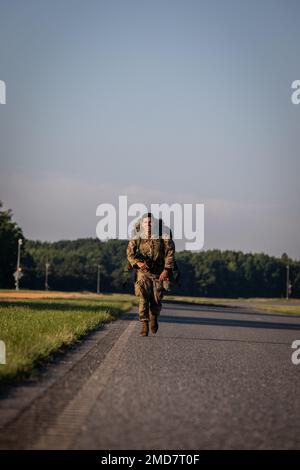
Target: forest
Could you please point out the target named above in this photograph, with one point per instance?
(74, 266)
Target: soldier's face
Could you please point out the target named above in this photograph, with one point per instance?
(146, 224)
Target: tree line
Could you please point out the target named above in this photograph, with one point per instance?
(74, 266)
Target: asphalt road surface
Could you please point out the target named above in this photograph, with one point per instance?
(212, 378)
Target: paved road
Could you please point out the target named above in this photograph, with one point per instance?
(212, 377)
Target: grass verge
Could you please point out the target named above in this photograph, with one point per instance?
(34, 329)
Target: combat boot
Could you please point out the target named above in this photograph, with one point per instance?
(153, 324)
(145, 328)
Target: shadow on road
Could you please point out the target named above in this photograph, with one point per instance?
(235, 310)
(229, 322)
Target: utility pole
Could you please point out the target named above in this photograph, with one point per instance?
(98, 279)
(287, 281)
(47, 266)
(17, 276)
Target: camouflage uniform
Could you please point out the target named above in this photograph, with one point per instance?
(147, 286)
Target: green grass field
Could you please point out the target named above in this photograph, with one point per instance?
(35, 328)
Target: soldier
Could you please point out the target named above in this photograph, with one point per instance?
(152, 253)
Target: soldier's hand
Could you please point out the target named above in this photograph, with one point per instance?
(164, 276)
(142, 266)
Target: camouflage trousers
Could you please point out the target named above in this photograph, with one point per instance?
(150, 291)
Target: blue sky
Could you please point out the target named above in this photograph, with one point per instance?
(165, 101)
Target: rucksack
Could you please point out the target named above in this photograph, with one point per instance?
(174, 273)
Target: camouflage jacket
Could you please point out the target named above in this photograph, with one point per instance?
(160, 253)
